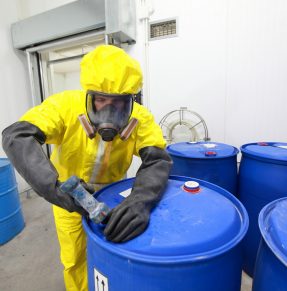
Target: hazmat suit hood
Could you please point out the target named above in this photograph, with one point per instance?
(109, 74)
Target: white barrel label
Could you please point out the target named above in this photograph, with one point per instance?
(101, 282)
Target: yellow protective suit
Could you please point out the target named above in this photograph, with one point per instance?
(92, 160)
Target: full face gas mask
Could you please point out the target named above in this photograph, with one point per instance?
(108, 113)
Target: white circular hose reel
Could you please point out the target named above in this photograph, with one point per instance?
(183, 125)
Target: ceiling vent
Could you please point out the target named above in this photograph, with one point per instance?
(163, 29)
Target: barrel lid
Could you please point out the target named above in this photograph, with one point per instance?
(266, 150)
(186, 225)
(202, 150)
(273, 227)
(4, 162)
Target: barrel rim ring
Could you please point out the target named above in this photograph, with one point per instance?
(235, 153)
(154, 259)
(263, 215)
(261, 157)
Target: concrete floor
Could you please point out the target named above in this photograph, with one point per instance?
(30, 261)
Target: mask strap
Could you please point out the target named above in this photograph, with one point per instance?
(86, 125)
(127, 131)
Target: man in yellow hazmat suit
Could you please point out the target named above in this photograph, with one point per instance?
(95, 133)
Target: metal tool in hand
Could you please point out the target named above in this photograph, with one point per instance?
(97, 210)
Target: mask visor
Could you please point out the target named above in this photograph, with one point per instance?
(108, 113)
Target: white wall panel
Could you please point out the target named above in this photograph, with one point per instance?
(256, 71)
(189, 70)
(228, 63)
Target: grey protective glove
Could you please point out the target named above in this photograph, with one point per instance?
(22, 142)
(131, 217)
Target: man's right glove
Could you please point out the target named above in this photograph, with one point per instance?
(22, 142)
(127, 220)
(131, 217)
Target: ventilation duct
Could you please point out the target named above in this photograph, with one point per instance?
(120, 21)
(67, 20)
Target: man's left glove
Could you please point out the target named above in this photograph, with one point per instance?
(131, 217)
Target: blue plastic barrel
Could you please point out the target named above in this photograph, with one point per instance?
(262, 179)
(210, 161)
(271, 264)
(192, 242)
(11, 217)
